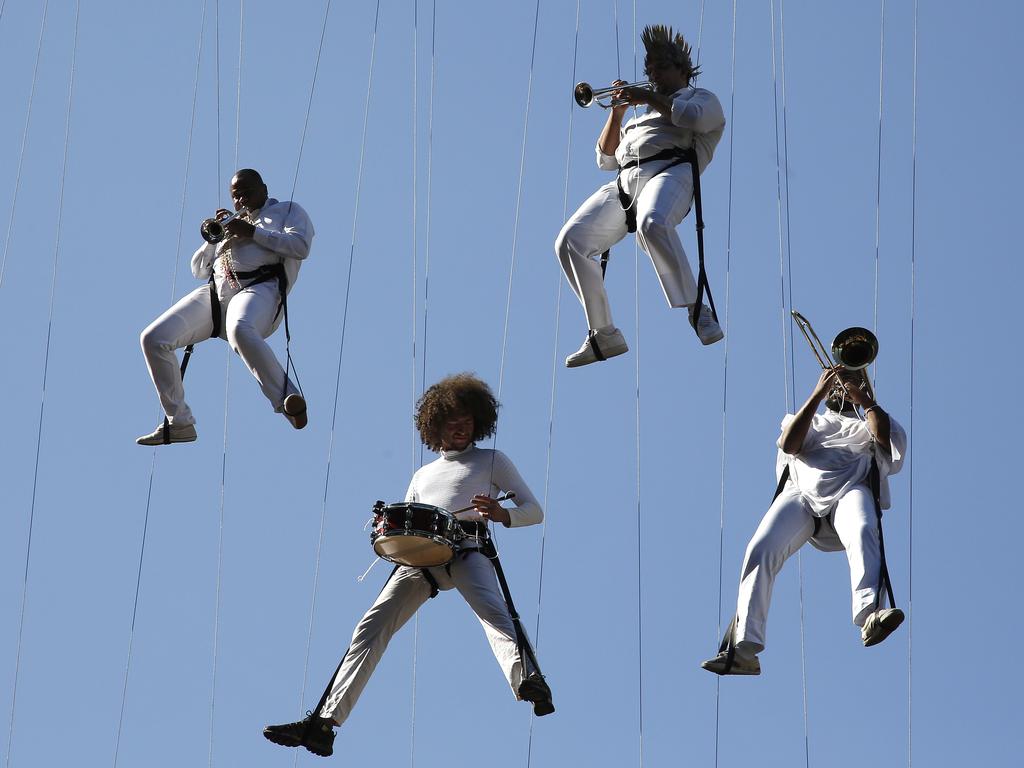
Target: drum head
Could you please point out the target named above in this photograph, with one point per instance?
(419, 551)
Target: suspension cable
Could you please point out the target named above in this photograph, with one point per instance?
(878, 168)
(152, 466)
(910, 426)
(24, 140)
(725, 373)
(46, 368)
(416, 445)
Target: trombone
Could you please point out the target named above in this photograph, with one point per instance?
(853, 349)
(585, 95)
(213, 230)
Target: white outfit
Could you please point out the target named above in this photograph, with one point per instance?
(283, 234)
(449, 482)
(828, 479)
(661, 201)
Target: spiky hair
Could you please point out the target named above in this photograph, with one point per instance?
(664, 43)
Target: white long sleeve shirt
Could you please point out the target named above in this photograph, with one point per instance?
(697, 121)
(455, 477)
(836, 455)
(284, 233)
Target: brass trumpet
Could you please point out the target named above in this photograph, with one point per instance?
(212, 230)
(585, 95)
(853, 349)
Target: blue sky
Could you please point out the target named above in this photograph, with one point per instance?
(639, 459)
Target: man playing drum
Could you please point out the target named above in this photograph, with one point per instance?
(653, 188)
(451, 417)
(835, 466)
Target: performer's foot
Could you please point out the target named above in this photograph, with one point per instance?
(314, 733)
(708, 329)
(599, 345)
(880, 625)
(740, 665)
(536, 691)
(176, 433)
(295, 410)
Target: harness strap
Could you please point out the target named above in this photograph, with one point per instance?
(434, 589)
(592, 338)
(875, 481)
(525, 649)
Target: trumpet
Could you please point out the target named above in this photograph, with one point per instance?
(585, 95)
(212, 230)
(853, 349)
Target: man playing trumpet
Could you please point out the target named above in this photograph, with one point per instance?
(658, 193)
(251, 271)
(832, 470)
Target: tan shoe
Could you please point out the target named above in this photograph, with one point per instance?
(880, 625)
(177, 433)
(600, 344)
(740, 665)
(295, 410)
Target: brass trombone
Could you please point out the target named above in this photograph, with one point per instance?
(853, 349)
(213, 230)
(585, 95)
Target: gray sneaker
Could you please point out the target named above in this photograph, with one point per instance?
(294, 408)
(740, 665)
(608, 341)
(880, 625)
(178, 433)
(708, 329)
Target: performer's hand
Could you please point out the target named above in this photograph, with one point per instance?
(825, 382)
(222, 213)
(490, 509)
(853, 390)
(621, 94)
(240, 228)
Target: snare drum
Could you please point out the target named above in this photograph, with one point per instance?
(410, 533)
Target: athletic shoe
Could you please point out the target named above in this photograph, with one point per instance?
(608, 340)
(880, 625)
(741, 665)
(314, 733)
(536, 691)
(708, 329)
(295, 410)
(178, 433)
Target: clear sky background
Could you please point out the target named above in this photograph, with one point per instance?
(646, 463)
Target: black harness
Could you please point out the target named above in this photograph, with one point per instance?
(675, 156)
(254, 277)
(728, 645)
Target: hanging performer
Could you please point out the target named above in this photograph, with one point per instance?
(451, 417)
(651, 194)
(832, 470)
(250, 271)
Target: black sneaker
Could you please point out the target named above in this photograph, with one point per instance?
(314, 733)
(536, 691)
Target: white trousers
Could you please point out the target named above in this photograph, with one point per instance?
(783, 530)
(600, 222)
(407, 589)
(248, 317)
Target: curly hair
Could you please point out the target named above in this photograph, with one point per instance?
(663, 43)
(455, 395)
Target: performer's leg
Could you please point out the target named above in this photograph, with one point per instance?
(782, 531)
(474, 577)
(250, 318)
(660, 207)
(857, 526)
(598, 224)
(404, 593)
(189, 321)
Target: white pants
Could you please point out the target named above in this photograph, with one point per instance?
(600, 222)
(248, 317)
(783, 530)
(407, 589)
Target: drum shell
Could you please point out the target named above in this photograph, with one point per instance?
(415, 534)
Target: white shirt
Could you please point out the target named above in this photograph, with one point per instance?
(283, 233)
(697, 121)
(453, 479)
(836, 455)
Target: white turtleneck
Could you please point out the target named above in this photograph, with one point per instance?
(455, 477)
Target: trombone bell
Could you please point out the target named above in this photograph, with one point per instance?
(855, 348)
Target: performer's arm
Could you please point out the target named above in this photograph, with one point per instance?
(202, 261)
(292, 242)
(611, 134)
(877, 419)
(796, 431)
(527, 510)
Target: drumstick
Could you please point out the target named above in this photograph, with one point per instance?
(503, 497)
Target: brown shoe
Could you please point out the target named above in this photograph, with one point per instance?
(295, 410)
(880, 625)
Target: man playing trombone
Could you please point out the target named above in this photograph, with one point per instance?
(251, 269)
(832, 470)
(650, 195)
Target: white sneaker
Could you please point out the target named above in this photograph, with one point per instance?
(609, 341)
(178, 433)
(708, 329)
(740, 665)
(880, 625)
